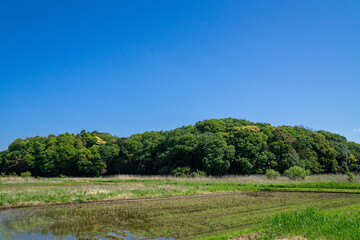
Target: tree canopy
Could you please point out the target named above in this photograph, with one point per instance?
(213, 147)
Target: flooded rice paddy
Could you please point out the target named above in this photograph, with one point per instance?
(182, 217)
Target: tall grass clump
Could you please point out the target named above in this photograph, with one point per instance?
(297, 173)
(312, 223)
(350, 176)
(25, 174)
(187, 172)
(272, 174)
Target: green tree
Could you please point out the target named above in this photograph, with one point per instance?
(212, 125)
(89, 163)
(140, 153)
(326, 154)
(250, 151)
(211, 146)
(285, 155)
(109, 154)
(214, 153)
(180, 150)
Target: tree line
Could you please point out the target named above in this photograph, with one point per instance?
(211, 147)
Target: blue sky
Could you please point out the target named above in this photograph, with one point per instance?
(126, 67)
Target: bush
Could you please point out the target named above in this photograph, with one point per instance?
(350, 176)
(296, 173)
(198, 173)
(272, 174)
(25, 174)
(181, 172)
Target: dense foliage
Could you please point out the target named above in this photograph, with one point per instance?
(296, 173)
(214, 147)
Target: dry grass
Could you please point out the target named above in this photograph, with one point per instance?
(244, 178)
(228, 178)
(18, 191)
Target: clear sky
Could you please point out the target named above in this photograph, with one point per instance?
(126, 67)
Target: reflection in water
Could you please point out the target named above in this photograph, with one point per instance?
(124, 235)
(89, 221)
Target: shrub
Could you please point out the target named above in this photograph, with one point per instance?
(62, 176)
(198, 173)
(181, 172)
(350, 176)
(2, 174)
(296, 173)
(25, 174)
(272, 174)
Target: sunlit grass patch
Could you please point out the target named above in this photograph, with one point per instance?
(313, 223)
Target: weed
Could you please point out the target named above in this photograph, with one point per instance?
(272, 174)
(296, 173)
(25, 174)
(350, 176)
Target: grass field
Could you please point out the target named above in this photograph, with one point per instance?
(17, 192)
(183, 208)
(313, 223)
(183, 217)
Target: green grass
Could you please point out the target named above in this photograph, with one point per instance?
(310, 223)
(209, 216)
(16, 192)
(313, 224)
(226, 207)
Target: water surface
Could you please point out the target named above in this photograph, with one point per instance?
(183, 217)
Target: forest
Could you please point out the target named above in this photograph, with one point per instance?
(215, 147)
